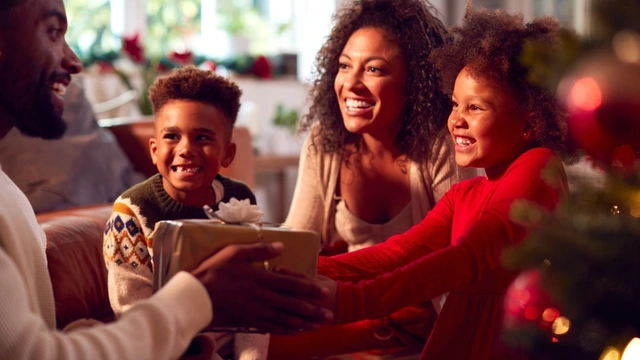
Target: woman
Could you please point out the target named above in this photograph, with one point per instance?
(376, 160)
(498, 122)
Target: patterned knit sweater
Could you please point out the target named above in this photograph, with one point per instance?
(128, 235)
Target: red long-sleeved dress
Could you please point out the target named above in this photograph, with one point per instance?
(455, 249)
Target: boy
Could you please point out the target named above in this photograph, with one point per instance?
(195, 114)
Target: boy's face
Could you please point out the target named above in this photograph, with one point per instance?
(192, 142)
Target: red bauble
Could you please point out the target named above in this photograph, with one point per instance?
(183, 58)
(209, 65)
(603, 99)
(132, 47)
(526, 304)
(261, 67)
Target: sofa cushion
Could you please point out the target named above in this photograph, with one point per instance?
(86, 166)
(76, 265)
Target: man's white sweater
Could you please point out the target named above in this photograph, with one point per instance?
(160, 327)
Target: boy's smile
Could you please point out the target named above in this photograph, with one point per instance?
(186, 169)
(192, 142)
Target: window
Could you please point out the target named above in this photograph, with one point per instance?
(171, 25)
(208, 27)
(91, 27)
(570, 13)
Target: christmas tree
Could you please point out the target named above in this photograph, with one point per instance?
(579, 297)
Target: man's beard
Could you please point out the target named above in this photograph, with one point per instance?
(41, 119)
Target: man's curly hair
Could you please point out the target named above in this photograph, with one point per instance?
(193, 84)
(489, 44)
(415, 27)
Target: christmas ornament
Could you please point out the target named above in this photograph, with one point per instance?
(603, 102)
(209, 65)
(261, 67)
(182, 58)
(527, 304)
(132, 47)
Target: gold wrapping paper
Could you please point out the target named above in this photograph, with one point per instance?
(183, 245)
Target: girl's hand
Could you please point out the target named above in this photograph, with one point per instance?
(329, 286)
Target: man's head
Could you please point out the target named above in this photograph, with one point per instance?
(195, 112)
(36, 64)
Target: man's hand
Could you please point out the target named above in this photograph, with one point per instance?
(246, 296)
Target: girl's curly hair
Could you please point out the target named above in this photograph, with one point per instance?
(415, 27)
(490, 44)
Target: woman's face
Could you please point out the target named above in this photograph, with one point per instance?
(487, 129)
(370, 84)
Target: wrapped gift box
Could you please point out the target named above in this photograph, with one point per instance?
(183, 245)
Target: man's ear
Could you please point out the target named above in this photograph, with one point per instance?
(229, 154)
(153, 150)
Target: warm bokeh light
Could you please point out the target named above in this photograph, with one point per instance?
(550, 315)
(585, 94)
(615, 210)
(610, 353)
(632, 351)
(626, 46)
(635, 205)
(531, 312)
(561, 325)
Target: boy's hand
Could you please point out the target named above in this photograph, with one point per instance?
(243, 295)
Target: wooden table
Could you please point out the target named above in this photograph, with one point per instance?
(277, 164)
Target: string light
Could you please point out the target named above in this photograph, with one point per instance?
(550, 315)
(561, 325)
(610, 353)
(632, 351)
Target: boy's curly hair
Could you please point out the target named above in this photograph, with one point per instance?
(489, 44)
(415, 27)
(191, 83)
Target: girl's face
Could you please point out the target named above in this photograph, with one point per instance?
(370, 84)
(487, 129)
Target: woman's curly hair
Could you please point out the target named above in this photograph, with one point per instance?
(191, 83)
(415, 27)
(490, 44)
